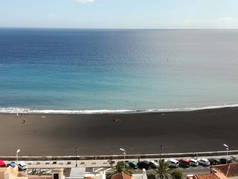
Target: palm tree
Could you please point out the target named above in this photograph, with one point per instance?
(177, 174)
(120, 167)
(163, 170)
(151, 174)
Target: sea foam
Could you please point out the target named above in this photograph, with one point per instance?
(14, 110)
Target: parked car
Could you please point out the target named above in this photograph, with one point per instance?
(12, 164)
(224, 161)
(173, 163)
(144, 164)
(154, 164)
(126, 163)
(193, 162)
(2, 164)
(184, 163)
(133, 165)
(234, 159)
(22, 166)
(214, 161)
(204, 162)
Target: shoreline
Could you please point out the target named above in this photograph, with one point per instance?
(16, 110)
(103, 134)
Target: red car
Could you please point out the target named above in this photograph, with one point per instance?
(184, 163)
(2, 164)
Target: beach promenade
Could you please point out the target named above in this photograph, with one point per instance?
(97, 134)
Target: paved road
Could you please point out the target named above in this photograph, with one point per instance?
(86, 163)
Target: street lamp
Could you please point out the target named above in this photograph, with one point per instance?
(124, 152)
(18, 150)
(227, 149)
(76, 151)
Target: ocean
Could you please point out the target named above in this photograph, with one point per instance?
(99, 71)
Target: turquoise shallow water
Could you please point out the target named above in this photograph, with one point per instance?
(50, 69)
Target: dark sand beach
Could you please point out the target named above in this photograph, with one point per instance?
(60, 134)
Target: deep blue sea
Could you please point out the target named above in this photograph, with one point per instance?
(107, 70)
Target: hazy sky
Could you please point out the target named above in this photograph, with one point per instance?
(119, 13)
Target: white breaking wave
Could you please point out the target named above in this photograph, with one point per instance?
(49, 111)
(14, 110)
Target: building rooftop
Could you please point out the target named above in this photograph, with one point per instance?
(229, 170)
(207, 176)
(121, 175)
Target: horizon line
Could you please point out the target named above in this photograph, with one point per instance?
(129, 28)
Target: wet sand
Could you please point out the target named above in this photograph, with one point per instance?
(61, 134)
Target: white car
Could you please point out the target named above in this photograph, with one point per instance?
(204, 162)
(173, 163)
(154, 164)
(22, 166)
(193, 162)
